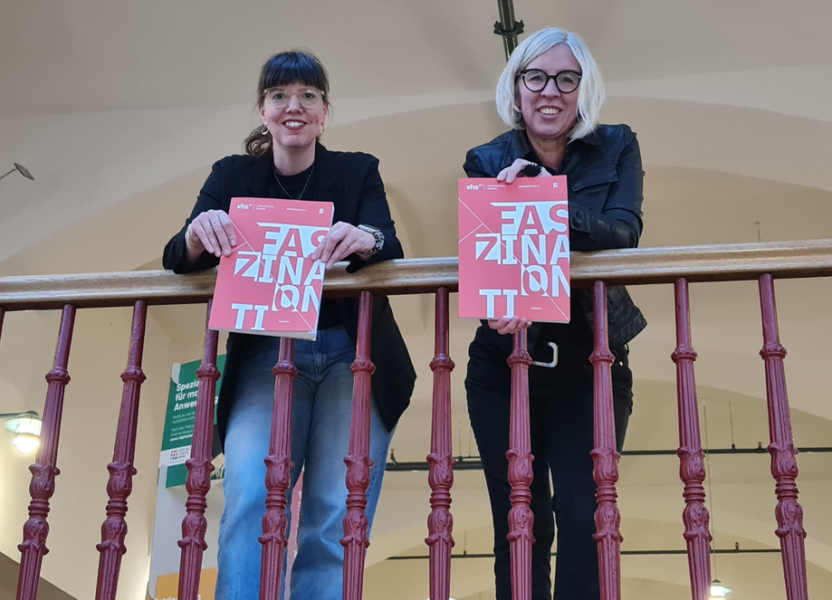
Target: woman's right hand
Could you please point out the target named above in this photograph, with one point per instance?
(509, 325)
(213, 232)
(515, 170)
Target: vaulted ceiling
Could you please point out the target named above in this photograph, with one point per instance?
(120, 108)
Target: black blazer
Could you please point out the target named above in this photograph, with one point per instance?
(352, 182)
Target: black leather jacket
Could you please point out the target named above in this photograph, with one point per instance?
(604, 175)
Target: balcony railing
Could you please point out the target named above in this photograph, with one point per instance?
(677, 266)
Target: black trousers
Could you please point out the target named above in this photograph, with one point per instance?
(561, 410)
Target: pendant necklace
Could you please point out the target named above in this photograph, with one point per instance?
(308, 179)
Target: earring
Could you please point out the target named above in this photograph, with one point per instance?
(264, 130)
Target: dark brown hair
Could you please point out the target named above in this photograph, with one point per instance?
(285, 68)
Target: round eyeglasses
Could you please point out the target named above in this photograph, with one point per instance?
(536, 80)
(280, 98)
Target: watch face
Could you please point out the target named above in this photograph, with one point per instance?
(377, 234)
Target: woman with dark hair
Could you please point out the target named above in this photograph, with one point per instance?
(285, 160)
(551, 94)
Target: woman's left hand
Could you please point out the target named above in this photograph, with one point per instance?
(342, 240)
(510, 325)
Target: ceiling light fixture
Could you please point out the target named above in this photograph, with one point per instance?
(23, 171)
(26, 427)
(718, 591)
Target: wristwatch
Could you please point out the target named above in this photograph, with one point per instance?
(377, 235)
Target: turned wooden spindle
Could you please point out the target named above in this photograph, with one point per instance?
(605, 455)
(278, 474)
(120, 485)
(692, 459)
(520, 475)
(789, 513)
(45, 469)
(356, 524)
(199, 468)
(441, 477)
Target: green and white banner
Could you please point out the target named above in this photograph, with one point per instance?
(179, 424)
(171, 493)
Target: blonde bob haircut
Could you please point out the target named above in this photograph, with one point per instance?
(590, 91)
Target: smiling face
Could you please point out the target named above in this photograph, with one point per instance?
(549, 114)
(298, 124)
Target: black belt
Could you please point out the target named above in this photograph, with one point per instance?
(549, 356)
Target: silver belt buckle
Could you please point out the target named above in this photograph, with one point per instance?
(549, 365)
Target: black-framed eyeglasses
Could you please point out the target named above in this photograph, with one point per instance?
(536, 79)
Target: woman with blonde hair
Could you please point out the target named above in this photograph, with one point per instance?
(550, 95)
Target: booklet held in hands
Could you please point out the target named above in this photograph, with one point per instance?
(269, 285)
(514, 249)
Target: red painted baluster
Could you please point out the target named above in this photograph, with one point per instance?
(441, 478)
(278, 474)
(199, 472)
(783, 453)
(520, 517)
(692, 467)
(356, 524)
(605, 455)
(45, 468)
(114, 528)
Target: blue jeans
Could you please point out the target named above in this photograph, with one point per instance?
(321, 411)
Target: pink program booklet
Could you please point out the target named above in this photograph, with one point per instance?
(269, 285)
(514, 249)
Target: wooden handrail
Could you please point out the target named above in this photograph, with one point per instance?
(642, 266)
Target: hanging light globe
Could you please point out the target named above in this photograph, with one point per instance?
(26, 443)
(718, 590)
(26, 427)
